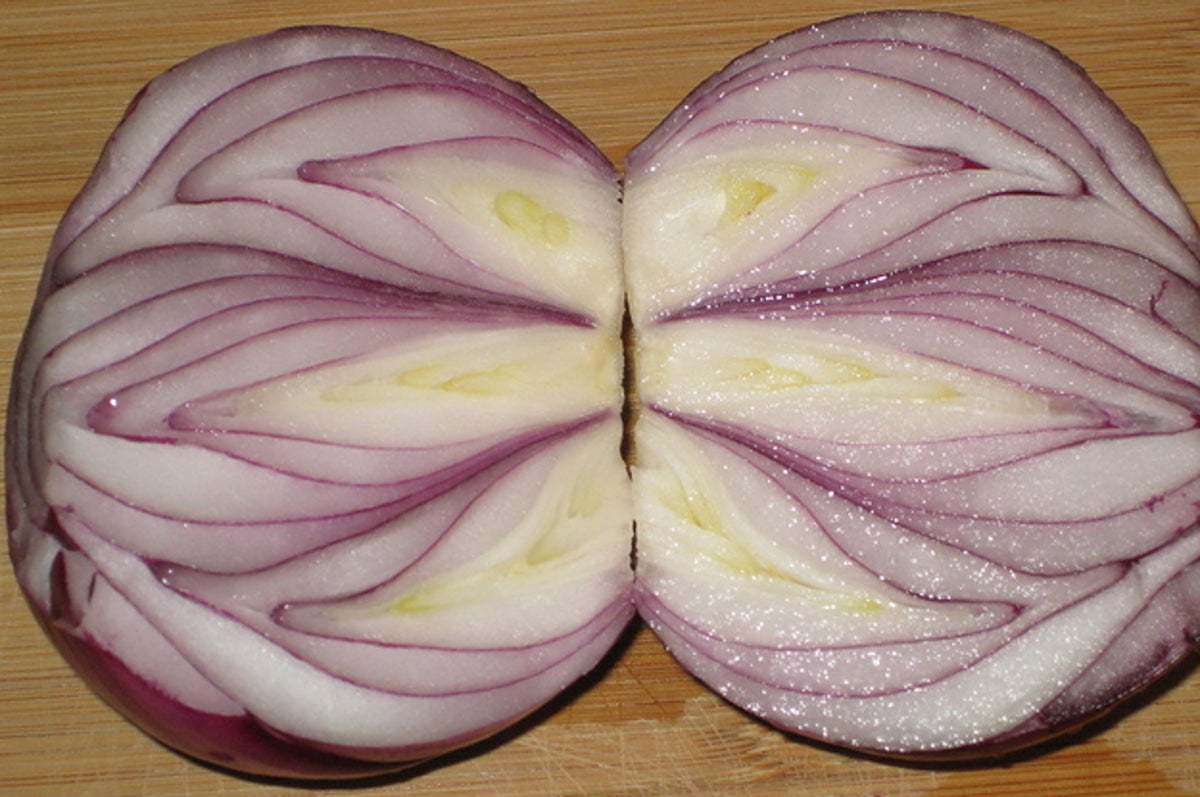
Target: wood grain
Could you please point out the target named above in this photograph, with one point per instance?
(639, 726)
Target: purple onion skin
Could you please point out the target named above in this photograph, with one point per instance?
(918, 353)
(313, 456)
(232, 743)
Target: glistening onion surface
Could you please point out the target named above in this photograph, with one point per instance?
(918, 353)
(314, 457)
(314, 444)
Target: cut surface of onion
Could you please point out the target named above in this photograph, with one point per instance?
(315, 462)
(918, 351)
(315, 447)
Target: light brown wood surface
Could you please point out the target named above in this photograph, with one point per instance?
(640, 726)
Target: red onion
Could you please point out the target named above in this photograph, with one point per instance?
(315, 454)
(919, 353)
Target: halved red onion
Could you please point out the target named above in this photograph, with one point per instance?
(314, 461)
(918, 346)
(314, 447)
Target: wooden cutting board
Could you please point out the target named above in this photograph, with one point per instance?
(640, 726)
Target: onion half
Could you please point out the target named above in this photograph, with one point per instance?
(918, 346)
(314, 464)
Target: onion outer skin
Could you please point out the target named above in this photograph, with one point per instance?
(900, 287)
(314, 443)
